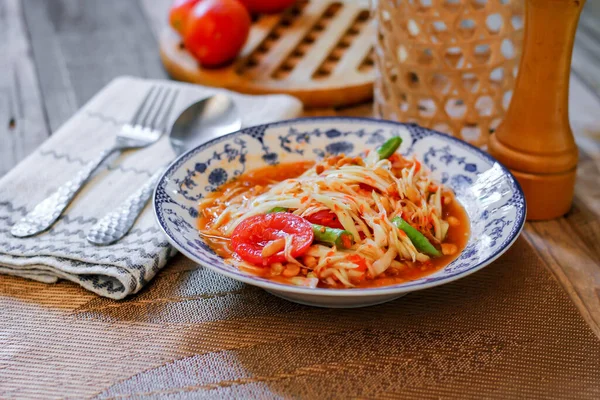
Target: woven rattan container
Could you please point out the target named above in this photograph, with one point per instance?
(449, 65)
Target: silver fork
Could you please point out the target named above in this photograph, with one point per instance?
(146, 127)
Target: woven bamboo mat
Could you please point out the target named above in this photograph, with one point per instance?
(507, 331)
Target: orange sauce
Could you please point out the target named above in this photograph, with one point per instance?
(254, 182)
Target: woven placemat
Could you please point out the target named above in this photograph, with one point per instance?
(507, 331)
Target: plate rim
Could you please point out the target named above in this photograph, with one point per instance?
(356, 292)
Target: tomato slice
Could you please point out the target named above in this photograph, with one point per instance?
(325, 218)
(253, 234)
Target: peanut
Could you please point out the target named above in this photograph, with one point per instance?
(358, 161)
(333, 160)
(291, 270)
(453, 221)
(310, 262)
(276, 268)
(345, 160)
(447, 197)
(449, 249)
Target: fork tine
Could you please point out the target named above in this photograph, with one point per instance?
(156, 106)
(136, 116)
(162, 117)
(148, 110)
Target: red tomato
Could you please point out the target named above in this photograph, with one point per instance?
(252, 235)
(216, 31)
(179, 13)
(325, 218)
(267, 6)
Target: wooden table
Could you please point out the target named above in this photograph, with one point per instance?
(56, 54)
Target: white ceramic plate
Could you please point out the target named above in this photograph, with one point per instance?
(490, 195)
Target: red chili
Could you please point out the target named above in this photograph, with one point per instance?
(358, 260)
(418, 166)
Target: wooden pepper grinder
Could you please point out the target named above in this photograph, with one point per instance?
(535, 140)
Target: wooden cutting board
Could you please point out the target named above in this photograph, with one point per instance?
(320, 51)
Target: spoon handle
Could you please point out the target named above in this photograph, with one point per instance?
(113, 226)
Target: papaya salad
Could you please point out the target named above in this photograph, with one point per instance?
(342, 222)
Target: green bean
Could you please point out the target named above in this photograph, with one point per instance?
(417, 238)
(341, 238)
(276, 210)
(389, 147)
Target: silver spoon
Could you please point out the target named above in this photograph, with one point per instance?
(202, 121)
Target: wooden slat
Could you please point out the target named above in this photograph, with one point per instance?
(359, 49)
(570, 246)
(56, 88)
(325, 43)
(586, 54)
(296, 32)
(81, 45)
(22, 124)
(156, 12)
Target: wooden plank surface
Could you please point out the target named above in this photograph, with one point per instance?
(81, 45)
(156, 12)
(586, 54)
(22, 125)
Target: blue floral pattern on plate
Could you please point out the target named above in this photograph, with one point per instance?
(490, 195)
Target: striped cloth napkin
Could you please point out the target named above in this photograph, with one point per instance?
(63, 252)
